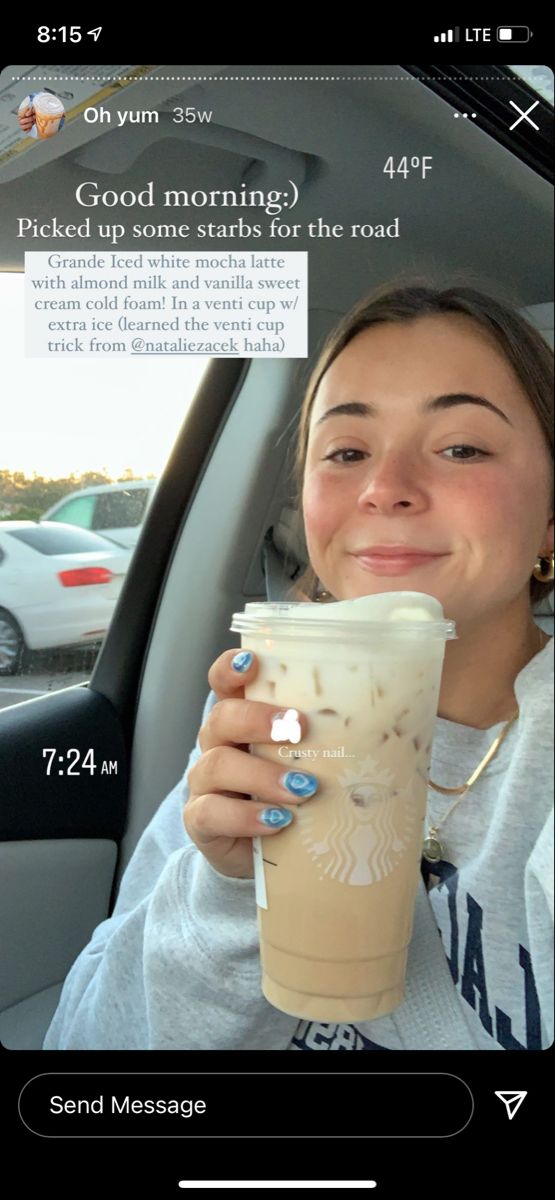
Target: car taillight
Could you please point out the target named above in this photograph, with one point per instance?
(81, 576)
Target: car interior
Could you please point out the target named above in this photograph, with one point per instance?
(223, 526)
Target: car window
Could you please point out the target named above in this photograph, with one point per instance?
(76, 512)
(74, 427)
(117, 510)
(59, 541)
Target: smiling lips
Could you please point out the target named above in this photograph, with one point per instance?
(394, 560)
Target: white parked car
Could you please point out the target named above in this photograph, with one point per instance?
(58, 587)
(114, 510)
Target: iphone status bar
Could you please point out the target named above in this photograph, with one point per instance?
(448, 41)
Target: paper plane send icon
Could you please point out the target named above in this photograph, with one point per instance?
(512, 1101)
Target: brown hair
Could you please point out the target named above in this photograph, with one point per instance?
(522, 346)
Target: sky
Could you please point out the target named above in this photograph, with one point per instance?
(84, 414)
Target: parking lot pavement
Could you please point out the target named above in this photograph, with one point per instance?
(47, 673)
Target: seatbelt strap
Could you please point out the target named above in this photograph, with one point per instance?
(278, 579)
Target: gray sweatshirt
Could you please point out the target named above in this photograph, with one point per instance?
(177, 964)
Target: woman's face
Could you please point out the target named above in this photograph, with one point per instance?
(442, 477)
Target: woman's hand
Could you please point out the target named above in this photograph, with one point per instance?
(219, 815)
(26, 119)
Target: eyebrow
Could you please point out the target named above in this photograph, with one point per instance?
(355, 408)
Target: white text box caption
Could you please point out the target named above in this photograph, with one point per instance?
(247, 304)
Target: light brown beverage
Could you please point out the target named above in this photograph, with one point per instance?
(336, 889)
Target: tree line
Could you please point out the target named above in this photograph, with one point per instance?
(24, 498)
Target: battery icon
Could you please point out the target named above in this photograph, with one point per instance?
(513, 33)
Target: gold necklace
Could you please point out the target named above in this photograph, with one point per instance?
(432, 849)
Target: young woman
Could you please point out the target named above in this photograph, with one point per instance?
(424, 463)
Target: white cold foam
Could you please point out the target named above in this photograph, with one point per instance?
(48, 104)
(385, 606)
(411, 614)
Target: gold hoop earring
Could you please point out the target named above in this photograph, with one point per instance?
(544, 568)
(319, 594)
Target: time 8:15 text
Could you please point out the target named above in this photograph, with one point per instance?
(73, 762)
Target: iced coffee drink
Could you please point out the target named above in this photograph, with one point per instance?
(48, 114)
(336, 889)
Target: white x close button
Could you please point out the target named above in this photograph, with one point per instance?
(524, 115)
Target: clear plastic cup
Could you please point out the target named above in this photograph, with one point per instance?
(336, 889)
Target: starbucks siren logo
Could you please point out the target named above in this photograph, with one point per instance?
(373, 826)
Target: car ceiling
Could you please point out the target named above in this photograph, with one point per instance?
(483, 213)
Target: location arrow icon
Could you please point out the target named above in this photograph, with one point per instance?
(512, 1101)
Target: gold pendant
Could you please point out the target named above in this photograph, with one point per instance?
(432, 850)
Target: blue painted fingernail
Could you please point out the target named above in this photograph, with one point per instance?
(300, 783)
(242, 661)
(275, 818)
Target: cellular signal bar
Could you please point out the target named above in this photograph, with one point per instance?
(451, 35)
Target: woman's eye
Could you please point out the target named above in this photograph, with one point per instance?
(464, 453)
(458, 453)
(334, 456)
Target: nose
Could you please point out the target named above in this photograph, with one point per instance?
(394, 483)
